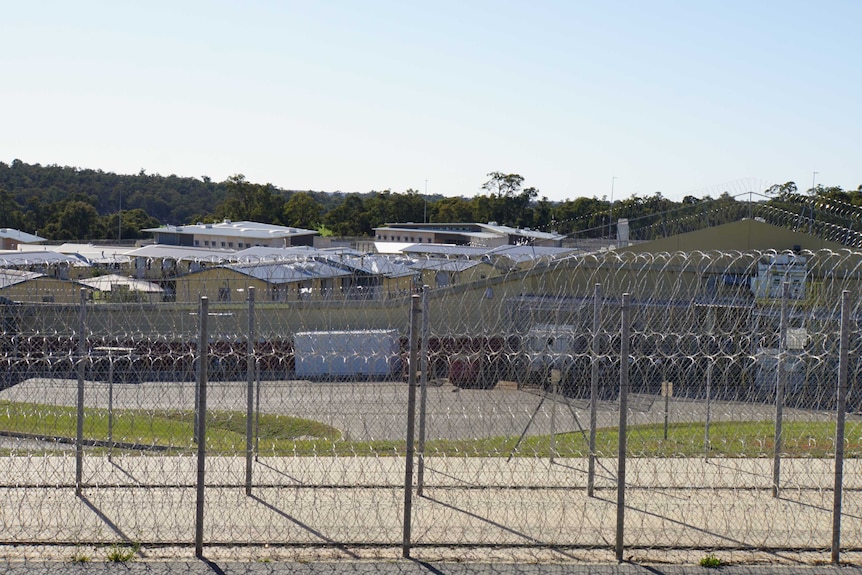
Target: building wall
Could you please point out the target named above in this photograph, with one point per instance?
(44, 290)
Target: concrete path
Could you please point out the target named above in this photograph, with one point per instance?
(470, 509)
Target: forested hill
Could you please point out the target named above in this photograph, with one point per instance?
(165, 198)
(75, 204)
(45, 199)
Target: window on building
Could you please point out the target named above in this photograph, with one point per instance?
(223, 294)
(222, 244)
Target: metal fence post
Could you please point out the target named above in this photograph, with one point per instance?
(249, 416)
(594, 387)
(708, 409)
(203, 364)
(709, 368)
(415, 312)
(82, 358)
(623, 430)
(423, 397)
(781, 383)
(843, 370)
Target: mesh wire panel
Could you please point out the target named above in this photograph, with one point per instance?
(304, 401)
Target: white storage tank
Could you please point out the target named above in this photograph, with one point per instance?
(348, 354)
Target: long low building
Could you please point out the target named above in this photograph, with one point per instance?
(464, 234)
(232, 235)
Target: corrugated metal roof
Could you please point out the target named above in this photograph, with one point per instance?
(180, 253)
(264, 253)
(19, 258)
(93, 253)
(447, 250)
(19, 236)
(506, 230)
(278, 273)
(438, 264)
(377, 265)
(528, 253)
(392, 247)
(254, 230)
(10, 277)
(107, 283)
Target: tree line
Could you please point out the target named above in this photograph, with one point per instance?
(72, 204)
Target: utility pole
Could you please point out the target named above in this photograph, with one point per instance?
(813, 192)
(120, 219)
(611, 209)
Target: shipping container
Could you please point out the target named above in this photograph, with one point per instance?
(361, 354)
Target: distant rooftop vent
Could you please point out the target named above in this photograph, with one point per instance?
(492, 223)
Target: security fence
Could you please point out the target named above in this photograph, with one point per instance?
(607, 403)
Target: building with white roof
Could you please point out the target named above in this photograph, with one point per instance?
(463, 234)
(232, 235)
(10, 239)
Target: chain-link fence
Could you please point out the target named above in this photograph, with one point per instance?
(610, 402)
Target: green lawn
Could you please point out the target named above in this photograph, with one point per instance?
(286, 435)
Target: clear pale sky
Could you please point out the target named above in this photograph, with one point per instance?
(582, 98)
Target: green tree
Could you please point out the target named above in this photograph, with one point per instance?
(543, 214)
(509, 203)
(451, 210)
(348, 218)
(75, 221)
(251, 202)
(581, 215)
(132, 223)
(11, 212)
(302, 211)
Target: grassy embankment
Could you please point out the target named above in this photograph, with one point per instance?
(171, 431)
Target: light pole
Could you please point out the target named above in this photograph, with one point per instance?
(813, 192)
(120, 219)
(611, 208)
(425, 212)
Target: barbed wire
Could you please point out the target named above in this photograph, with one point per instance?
(513, 359)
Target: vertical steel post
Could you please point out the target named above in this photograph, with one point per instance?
(781, 384)
(257, 413)
(82, 358)
(110, 404)
(423, 397)
(843, 371)
(711, 363)
(708, 409)
(200, 344)
(203, 364)
(555, 391)
(623, 430)
(249, 372)
(415, 312)
(594, 387)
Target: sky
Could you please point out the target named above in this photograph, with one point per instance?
(583, 98)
